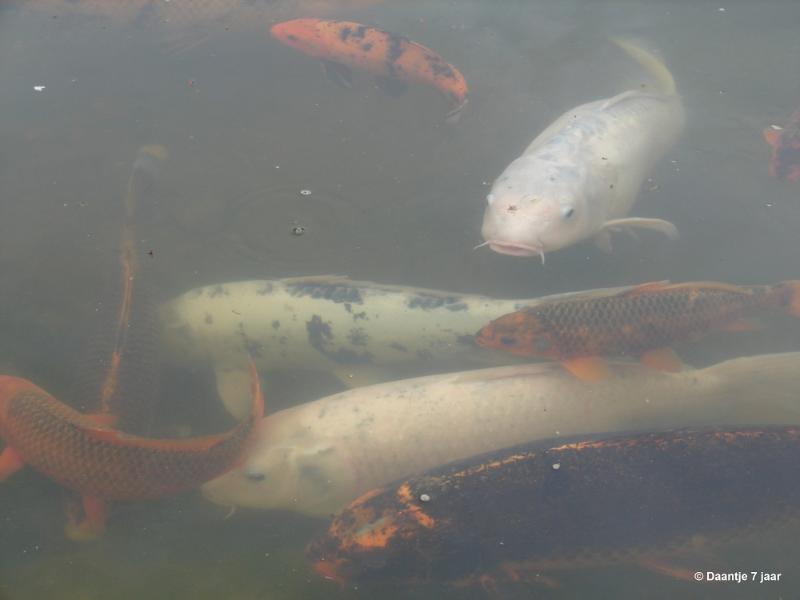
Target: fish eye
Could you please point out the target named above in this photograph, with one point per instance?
(490, 198)
(255, 476)
(507, 340)
(568, 211)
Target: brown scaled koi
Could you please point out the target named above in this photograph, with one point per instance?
(81, 452)
(343, 45)
(644, 322)
(653, 500)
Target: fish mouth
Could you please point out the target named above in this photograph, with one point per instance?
(516, 249)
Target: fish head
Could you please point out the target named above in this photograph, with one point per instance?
(522, 333)
(375, 538)
(537, 207)
(301, 34)
(287, 469)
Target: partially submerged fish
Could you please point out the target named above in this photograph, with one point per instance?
(83, 453)
(521, 513)
(644, 321)
(785, 144)
(119, 371)
(361, 332)
(316, 457)
(580, 177)
(396, 60)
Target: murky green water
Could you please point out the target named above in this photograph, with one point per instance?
(397, 196)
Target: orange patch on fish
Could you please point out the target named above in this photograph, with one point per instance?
(375, 51)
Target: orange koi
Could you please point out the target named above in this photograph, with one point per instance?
(83, 453)
(785, 144)
(644, 321)
(342, 45)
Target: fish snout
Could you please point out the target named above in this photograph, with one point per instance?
(295, 33)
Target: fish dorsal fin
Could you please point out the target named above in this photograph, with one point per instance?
(772, 136)
(646, 288)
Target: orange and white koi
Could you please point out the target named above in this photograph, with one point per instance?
(644, 321)
(83, 453)
(342, 45)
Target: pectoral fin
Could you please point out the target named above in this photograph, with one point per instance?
(659, 225)
(588, 368)
(10, 462)
(338, 73)
(92, 525)
(233, 387)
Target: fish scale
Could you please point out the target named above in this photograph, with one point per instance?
(648, 317)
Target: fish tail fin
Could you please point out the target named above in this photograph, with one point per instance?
(790, 293)
(654, 65)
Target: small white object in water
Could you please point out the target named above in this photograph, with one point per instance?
(305, 192)
(556, 466)
(39, 88)
(424, 498)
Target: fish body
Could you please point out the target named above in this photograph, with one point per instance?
(785, 145)
(580, 177)
(362, 332)
(642, 322)
(622, 499)
(387, 55)
(82, 453)
(316, 457)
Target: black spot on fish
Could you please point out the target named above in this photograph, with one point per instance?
(217, 290)
(319, 333)
(267, 289)
(358, 337)
(345, 33)
(329, 291)
(360, 32)
(283, 340)
(209, 319)
(429, 301)
(457, 306)
(398, 347)
(291, 37)
(366, 47)
(439, 67)
(276, 324)
(397, 46)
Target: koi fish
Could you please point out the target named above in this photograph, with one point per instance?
(343, 45)
(648, 500)
(644, 321)
(119, 371)
(785, 144)
(317, 457)
(83, 453)
(580, 177)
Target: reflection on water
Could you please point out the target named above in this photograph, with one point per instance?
(397, 196)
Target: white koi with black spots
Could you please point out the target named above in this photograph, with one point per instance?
(359, 331)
